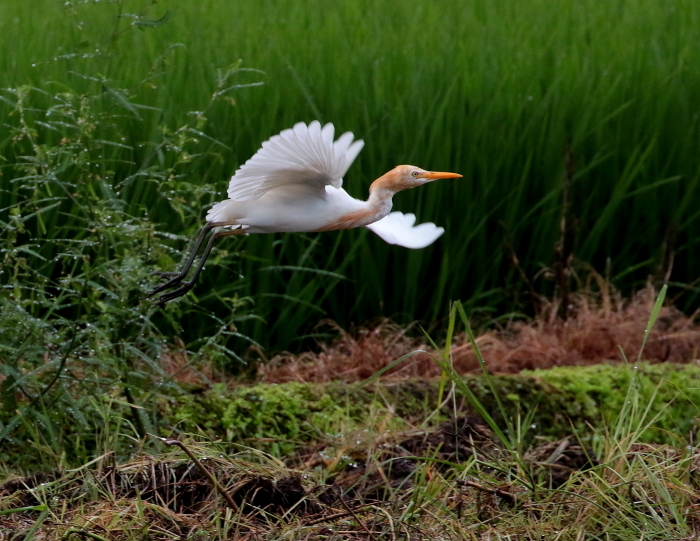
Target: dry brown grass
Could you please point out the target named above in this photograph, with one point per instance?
(177, 364)
(386, 491)
(352, 357)
(597, 327)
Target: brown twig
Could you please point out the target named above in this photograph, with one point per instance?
(564, 246)
(496, 491)
(336, 515)
(327, 518)
(206, 472)
(364, 526)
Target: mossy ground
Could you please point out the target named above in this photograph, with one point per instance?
(280, 417)
(380, 461)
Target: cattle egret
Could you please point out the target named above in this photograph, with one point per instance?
(294, 184)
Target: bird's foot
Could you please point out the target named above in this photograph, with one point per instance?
(164, 274)
(179, 292)
(175, 279)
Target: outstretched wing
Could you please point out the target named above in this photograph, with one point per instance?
(398, 228)
(304, 156)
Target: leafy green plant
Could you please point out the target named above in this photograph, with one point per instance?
(78, 247)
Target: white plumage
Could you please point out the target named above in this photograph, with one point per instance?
(301, 155)
(397, 228)
(294, 184)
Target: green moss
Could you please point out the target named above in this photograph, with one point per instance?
(276, 418)
(668, 394)
(525, 394)
(290, 414)
(280, 417)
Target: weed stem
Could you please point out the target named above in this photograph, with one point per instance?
(206, 472)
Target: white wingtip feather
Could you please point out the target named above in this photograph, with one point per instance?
(307, 151)
(397, 228)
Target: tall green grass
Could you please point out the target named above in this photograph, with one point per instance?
(523, 98)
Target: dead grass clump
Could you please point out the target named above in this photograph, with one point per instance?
(441, 484)
(177, 364)
(353, 357)
(596, 327)
(168, 496)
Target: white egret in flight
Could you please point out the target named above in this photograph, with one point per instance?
(294, 184)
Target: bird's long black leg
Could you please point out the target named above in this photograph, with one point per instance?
(179, 276)
(186, 286)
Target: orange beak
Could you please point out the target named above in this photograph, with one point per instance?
(432, 175)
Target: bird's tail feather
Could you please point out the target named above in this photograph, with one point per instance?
(220, 212)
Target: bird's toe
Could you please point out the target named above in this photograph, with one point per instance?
(164, 274)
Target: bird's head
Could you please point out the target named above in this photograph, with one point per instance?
(408, 176)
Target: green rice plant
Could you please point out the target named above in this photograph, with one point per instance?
(529, 100)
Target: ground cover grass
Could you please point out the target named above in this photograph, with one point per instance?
(587, 111)
(499, 476)
(471, 489)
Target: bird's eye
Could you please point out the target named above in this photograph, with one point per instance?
(415, 173)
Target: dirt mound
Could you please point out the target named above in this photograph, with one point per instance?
(597, 329)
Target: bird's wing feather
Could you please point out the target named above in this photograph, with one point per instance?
(303, 155)
(398, 228)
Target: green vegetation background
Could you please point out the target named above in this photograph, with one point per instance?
(523, 98)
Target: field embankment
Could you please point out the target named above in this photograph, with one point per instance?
(397, 461)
